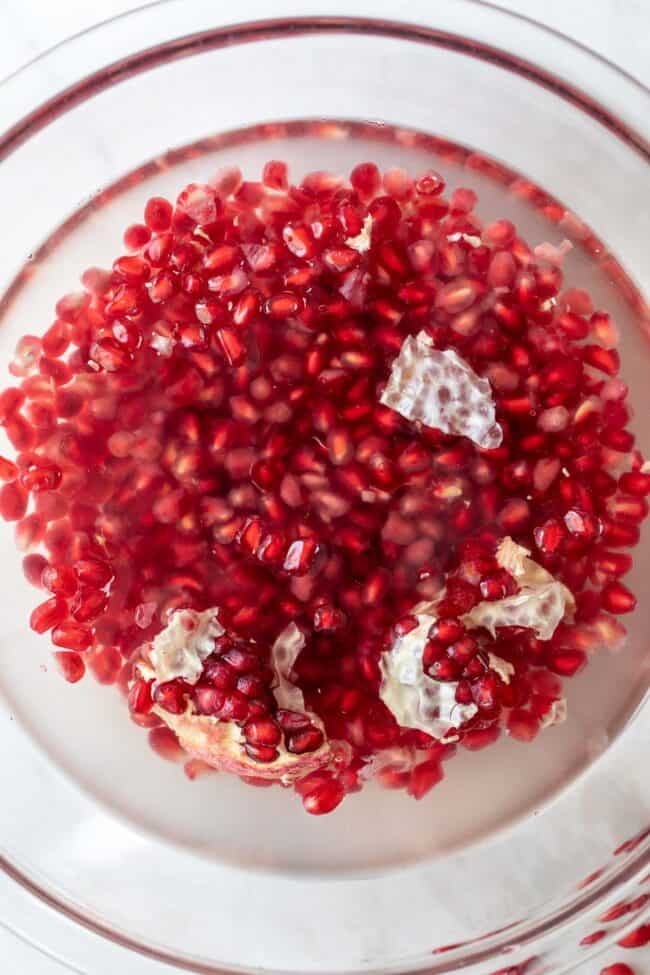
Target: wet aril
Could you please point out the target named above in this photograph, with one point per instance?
(201, 426)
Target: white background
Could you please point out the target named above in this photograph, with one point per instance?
(617, 29)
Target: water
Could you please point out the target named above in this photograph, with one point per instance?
(84, 729)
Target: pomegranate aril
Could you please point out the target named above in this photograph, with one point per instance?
(105, 664)
(476, 739)
(300, 556)
(620, 535)
(158, 214)
(610, 564)
(88, 604)
(72, 637)
(232, 346)
(549, 536)
(207, 699)
(20, 433)
(604, 360)
(234, 708)
(136, 236)
(37, 478)
(522, 725)
(462, 200)
(566, 662)
(29, 532)
(242, 661)
(198, 204)
(165, 743)
(71, 665)
(497, 586)
(48, 615)
(13, 502)
(514, 516)
(28, 352)
(447, 631)
(8, 470)
(93, 572)
(423, 778)
(292, 721)
(251, 685)
(220, 674)
(329, 618)
(110, 356)
(33, 567)
(274, 175)
(637, 938)
(303, 741)
(262, 731)
(463, 650)
(171, 696)
(444, 669)
(617, 598)
(582, 525)
(323, 798)
(635, 482)
(59, 580)
(261, 753)
(139, 698)
(627, 508)
(11, 401)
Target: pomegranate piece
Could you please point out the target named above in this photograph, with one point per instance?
(415, 699)
(540, 604)
(441, 391)
(346, 415)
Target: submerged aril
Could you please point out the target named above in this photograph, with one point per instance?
(346, 473)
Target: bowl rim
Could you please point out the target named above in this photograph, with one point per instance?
(243, 32)
(41, 113)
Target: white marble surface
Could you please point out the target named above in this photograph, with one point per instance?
(617, 29)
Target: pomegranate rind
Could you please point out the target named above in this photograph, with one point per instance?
(540, 605)
(180, 649)
(556, 714)
(414, 699)
(363, 239)
(220, 744)
(441, 391)
(502, 667)
(284, 653)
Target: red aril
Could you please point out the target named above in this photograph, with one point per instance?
(71, 636)
(71, 665)
(48, 615)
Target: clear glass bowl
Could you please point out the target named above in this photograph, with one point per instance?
(523, 850)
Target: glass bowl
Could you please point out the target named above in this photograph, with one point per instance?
(525, 855)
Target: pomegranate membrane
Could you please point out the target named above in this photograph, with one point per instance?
(331, 479)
